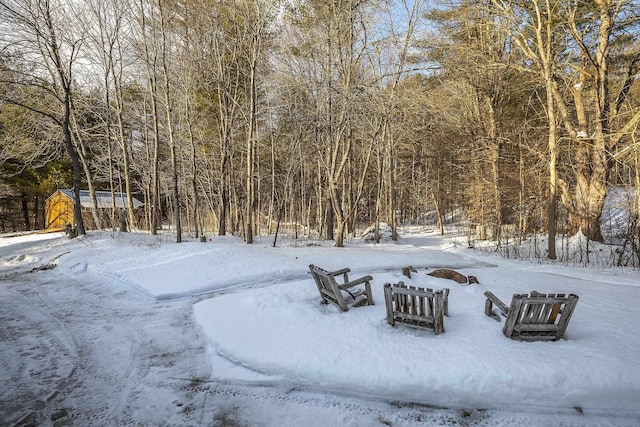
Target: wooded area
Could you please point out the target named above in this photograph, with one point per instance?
(238, 116)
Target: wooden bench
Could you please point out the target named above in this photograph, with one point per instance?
(416, 307)
(333, 292)
(534, 317)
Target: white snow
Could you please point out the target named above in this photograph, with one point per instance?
(259, 315)
(582, 134)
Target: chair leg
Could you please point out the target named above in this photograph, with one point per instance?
(388, 299)
(367, 288)
(488, 308)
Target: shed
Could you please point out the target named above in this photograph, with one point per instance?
(59, 207)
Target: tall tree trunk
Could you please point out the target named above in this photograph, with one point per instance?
(126, 166)
(328, 217)
(155, 215)
(194, 180)
(75, 162)
(495, 152)
(108, 140)
(77, 173)
(25, 210)
(37, 212)
(393, 192)
(250, 139)
(223, 199)
(436, 205)
(553, 178)
(82, 154)
(154, 190)
(166, 86)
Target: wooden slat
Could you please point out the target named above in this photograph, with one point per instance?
(535, 327)
(536, 337)
(555, 310)
(388, 299)
(567, 312)
(413, 317)
(533, 317)
(445, 302)
(438, 323)
(497, 302)
(406, 291)
(545, 300)
(533, 313)
(546, 313)
(513, 315)
(414, 306)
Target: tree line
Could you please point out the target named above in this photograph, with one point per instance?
(236, 116)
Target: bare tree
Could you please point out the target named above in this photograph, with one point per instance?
(108, 36)
(257, 15)
(400, 42)
(147, 40)
(47, 34)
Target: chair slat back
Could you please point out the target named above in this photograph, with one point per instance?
(539, 316)
(416, 307)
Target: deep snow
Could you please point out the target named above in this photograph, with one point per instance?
(126, 328)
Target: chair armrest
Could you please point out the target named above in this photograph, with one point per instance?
(494, 300)
(356, 282)
(343, 271)
(339, 272)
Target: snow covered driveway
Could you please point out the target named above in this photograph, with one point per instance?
(95, 353)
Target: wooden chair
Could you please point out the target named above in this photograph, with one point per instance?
(333, 292)
(534, 317)
(416, 307)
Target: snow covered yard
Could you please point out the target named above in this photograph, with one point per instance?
(224, 333)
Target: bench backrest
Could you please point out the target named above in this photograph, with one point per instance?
(328, 287)
(416, 307)
(539, 316)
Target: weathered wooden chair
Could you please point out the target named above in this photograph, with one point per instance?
(416, 307)
(339, 294)
(534, 317)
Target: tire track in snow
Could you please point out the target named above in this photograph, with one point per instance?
(37, 353)
(112, 337)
